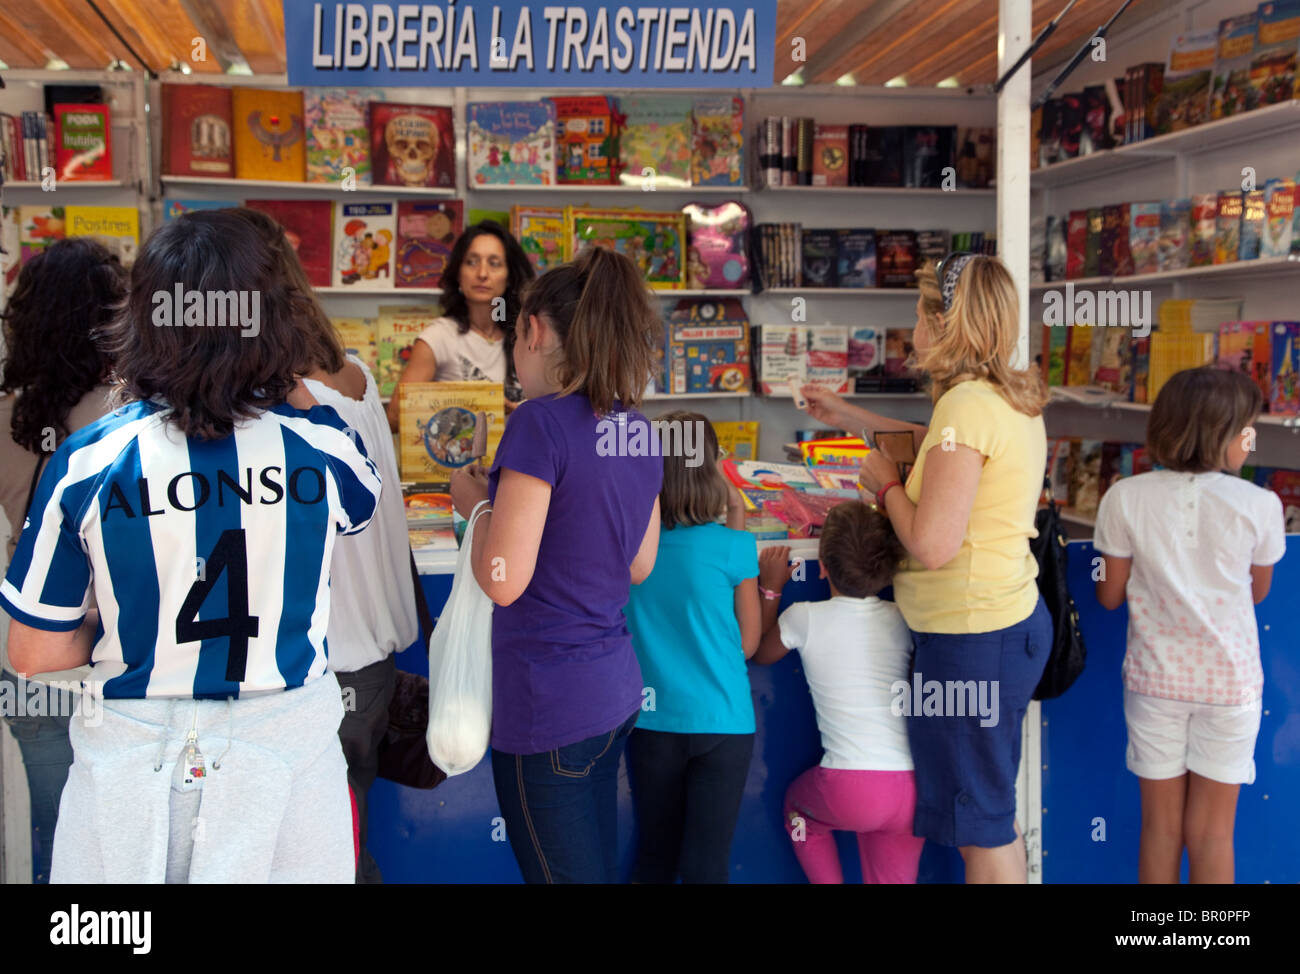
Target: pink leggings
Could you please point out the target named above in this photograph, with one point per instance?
(878, 805)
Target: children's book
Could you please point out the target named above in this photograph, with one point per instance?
(1114, 370)
(363, 244)
(708, 347)
(83, 143)
(1174, 247)
(511, 143)
(307, 225)
(739, 439)
(586, 139)
(1245, 346)
(718, 143)
(426, 232)
(656, 242)
(270, 135)
(1279, 216)
(540, 231)
(358, 338)
(1231, 92)
(1185, 96)
(445, 426)
(767, 475)
(1253, 215)
(395, 330)
(412, 145)
(717, 237)
(1204, 223)
(1273, 68)
(1227, 232)
(1286, 484)
(1092, 243)
(1077, 243)
(655, 143)
(1144, 236)
(38, 227)
(338, 133)
(116, 227)
(1079, 362)
(198, 137)
(1056, 352)
(1285, 365)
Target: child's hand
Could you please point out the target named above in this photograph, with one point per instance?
(469, 485)
(774, 568)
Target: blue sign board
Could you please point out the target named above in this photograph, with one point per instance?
(518, 43)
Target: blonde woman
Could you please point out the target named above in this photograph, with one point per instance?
(967, 587)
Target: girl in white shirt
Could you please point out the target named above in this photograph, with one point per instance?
(473, 340)
(856, 651)
(1191, 547)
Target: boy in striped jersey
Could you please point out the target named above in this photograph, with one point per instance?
(200, 518)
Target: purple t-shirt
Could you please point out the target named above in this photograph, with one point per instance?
(563, 667)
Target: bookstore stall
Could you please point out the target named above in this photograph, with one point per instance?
(1147, 209)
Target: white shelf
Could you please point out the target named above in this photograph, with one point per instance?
(331, 189)
(708, 292)
(882, 191)
(1239, 268)
(1226, 132)
(698, 395)
(580, 188)
(384, 291)
(1266, 419)
(64, 184)
(842, 292)
(1076, 281)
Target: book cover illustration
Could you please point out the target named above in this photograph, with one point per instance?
(426, 232)
(738, 438)
(540, 231)
(866, 358)
(1231, 92)
(363, 244)
(820, 258)
(270, 138)
(1252, 225)
(1185, 96)
(83, 150)
(1273, 68)
(1056, 351)
(358, 338)
(198, 131)
(855, 258)
(901, 373)
(116, 227)
(977, 157)
(586, 139)
(708, 347)
(1115, 361)
(828, 357)
(307, 225)
(1246, 346)
(655, 143)
(1092, 243)
(830, 155)
(783, 351)
(174, 208)
(512, 143)
(1077, 243)
(338, 133)
(1144, 236)
(1227, 231)
(1078, 368)
(716, 245)
(1279, 217)
(1286, 484)
(1173, 250)
(1285, 365)
(1204, 221)
(718, 142)
(927, 152)
(448, 425)
(656, 242)
(38, 227)
(765, 475)
(896, 258)
(395, 330)
(412, 145)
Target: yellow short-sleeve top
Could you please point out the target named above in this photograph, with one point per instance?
(991, 582)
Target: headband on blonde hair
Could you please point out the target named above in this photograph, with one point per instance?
(948, 272)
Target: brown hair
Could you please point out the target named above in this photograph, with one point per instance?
(859, 549)
(692, 495)
(977, 336)
(599, 306)
(1197, 414)
(210, 377)
(324, 348)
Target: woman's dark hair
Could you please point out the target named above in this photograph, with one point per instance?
(1196, 416)
(64, 296)
(859, 549)
(690, 495)
(519, 271)
(324, 349)
(197, 358)
(608, 327)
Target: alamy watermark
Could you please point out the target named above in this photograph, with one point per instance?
(182, 308)
(651, 438)
(949, 698)
(1086, 307)
(53, 698)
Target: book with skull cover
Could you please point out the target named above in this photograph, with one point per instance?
(426, 232)
(306, 225)
(412, 145)
(270, 137)
(338, 133)
(197, 131)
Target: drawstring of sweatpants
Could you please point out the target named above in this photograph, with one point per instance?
(230, 731)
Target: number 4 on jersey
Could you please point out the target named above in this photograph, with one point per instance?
(230, 555)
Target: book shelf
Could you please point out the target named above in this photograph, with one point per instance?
(1265, 266)
(327, 189)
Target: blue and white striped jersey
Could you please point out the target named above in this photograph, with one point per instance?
(208, 559)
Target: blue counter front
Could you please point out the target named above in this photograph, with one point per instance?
(1091, 815)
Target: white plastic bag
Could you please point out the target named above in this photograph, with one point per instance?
(460, 668)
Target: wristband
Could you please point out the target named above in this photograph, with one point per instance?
(880, 494)
(769, 594)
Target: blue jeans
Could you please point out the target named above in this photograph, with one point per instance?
(561, 808)
(47, 755)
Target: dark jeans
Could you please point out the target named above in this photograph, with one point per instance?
(365, 719)
(686, 789)
(47, 755)
(561, 808)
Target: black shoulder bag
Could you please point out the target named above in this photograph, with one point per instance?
(1051, 551)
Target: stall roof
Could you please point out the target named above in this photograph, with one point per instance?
(922, 42)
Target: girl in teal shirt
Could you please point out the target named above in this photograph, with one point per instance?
(694, 621)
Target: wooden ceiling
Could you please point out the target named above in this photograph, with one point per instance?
(874, 41)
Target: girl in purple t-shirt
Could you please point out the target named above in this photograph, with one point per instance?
(574, 524)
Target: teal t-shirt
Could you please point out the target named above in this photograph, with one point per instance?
(684, 630)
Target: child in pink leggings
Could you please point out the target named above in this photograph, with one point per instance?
(855, 647)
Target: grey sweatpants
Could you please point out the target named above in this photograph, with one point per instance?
(273, 808)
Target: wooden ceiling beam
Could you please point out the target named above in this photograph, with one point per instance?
(824, 61)
(19, 49)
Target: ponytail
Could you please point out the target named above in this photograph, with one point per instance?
(608, 328)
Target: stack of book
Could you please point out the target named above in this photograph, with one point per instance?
(429, 516)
